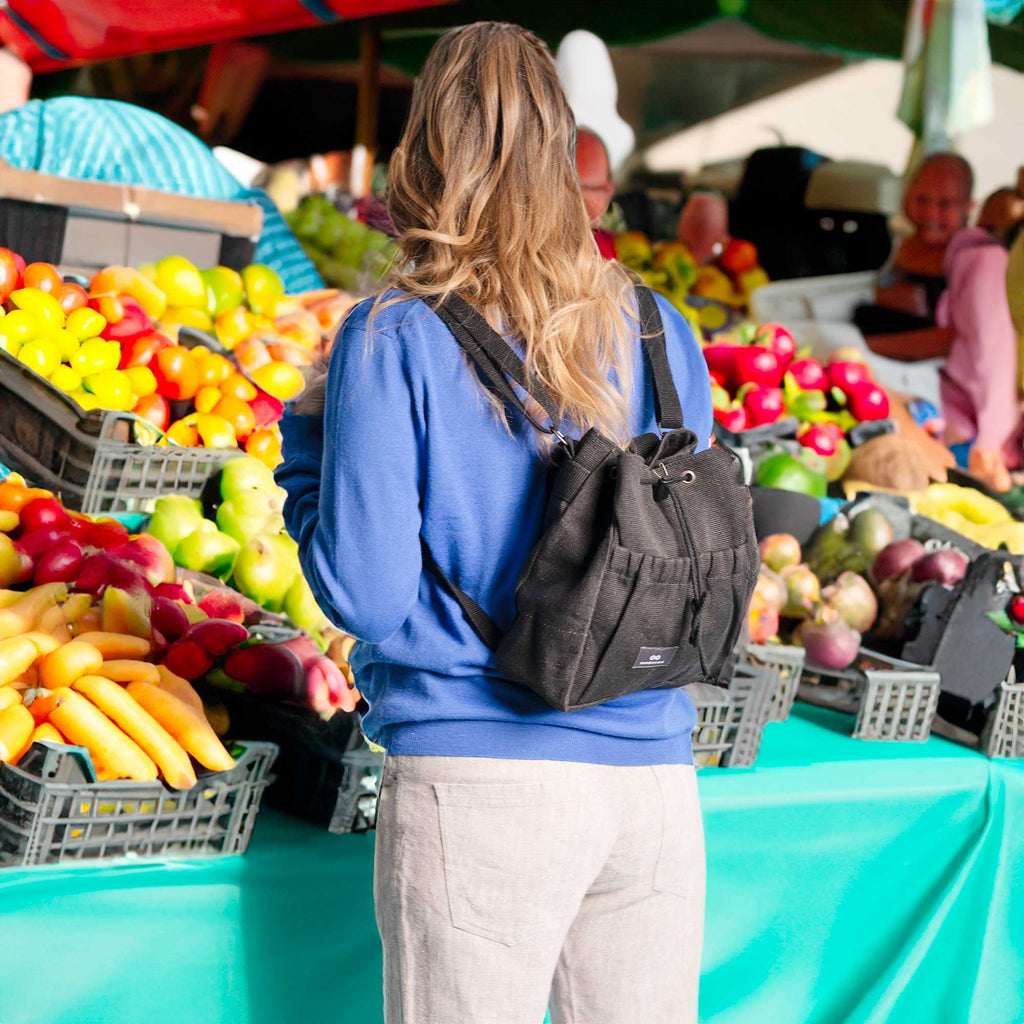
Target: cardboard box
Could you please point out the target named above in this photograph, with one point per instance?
(85, 225)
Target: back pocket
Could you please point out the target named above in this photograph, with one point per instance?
(508, 857)
(640, 632)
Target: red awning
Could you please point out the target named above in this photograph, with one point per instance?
(50, 34)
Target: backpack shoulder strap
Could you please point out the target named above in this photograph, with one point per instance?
(495, 358)
(667, 409)
(478, 618)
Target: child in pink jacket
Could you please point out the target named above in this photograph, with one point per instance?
(979, 380)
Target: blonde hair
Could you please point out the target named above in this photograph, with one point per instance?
(484, 191)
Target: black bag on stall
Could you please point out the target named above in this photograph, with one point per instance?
(647, 562)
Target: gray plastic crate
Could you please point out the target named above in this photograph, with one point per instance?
(51, 811)
(1004, 732)
(893, 700)
(89, 458)
(713, 734)
(750, 692)
(786, 664)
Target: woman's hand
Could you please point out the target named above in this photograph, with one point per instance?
(311, 401)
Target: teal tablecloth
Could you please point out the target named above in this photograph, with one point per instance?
(848, 882)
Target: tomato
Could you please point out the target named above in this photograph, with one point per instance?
(265, 445)
(238, 413)
(214, 369)
(739, 257)
(43, 276)
(177, 373)
(72, 296)
(207, 398)
(141, 351)
(238, 386)
(154, 409)
(10, 275)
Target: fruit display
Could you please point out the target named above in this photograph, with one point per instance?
(972, 514)
(759, 378)
(103, 646)
(669, 268)
(347, 252)
(822, 595)
(116, 346)
(244, 543)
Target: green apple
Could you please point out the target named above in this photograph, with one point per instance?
(249, 514)
(300, 606)
(209, 551)
(265, 570)
(174, 518)
(245, 473)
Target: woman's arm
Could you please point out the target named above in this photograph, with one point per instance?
(353, 487)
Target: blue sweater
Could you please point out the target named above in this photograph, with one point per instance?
(409, 445)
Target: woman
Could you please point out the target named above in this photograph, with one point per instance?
(523, 854)
(980, 400)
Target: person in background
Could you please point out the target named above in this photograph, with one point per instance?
(704, 225)
(525, 856)
(596, 182)
(901, 324)
(103, 140)
(1000, 212)
(979, 383)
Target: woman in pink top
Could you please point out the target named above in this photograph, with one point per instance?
(979, 380)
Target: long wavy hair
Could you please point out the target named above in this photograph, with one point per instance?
(484, 192)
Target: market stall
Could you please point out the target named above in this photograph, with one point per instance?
(854, 881)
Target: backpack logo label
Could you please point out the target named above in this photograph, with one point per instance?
(654, 657)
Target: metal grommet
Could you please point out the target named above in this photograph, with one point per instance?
(688, 477)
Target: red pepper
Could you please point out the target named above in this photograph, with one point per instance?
(816, 437)
(847, 375)
(721, 360)
(134, 322)
(867, 401)
(764, 405)
(777, 339)
(756, 365)
(733, 417)
(809, 375)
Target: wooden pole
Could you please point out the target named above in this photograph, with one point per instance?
(367, 108)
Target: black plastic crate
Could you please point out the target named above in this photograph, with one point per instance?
(52, 810)
(89, 458)
(326, 772)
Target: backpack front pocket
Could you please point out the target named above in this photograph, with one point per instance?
(640, 632)
(725, 583)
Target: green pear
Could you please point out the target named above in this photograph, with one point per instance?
(209, 551)
(300, 606)
(265, 570)
(249, 514)
(174, 518)
(245, 473)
